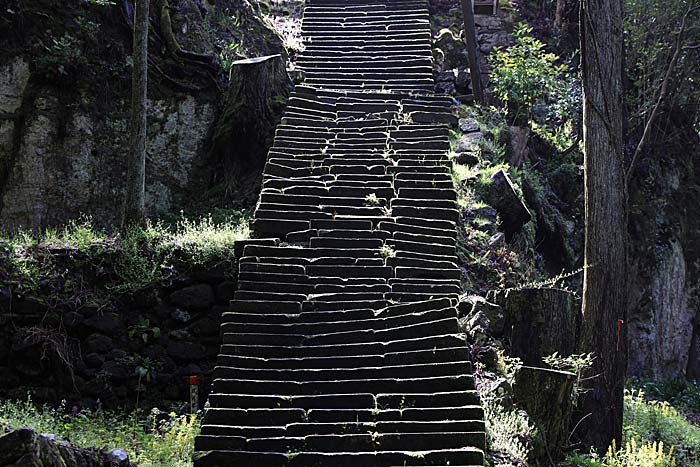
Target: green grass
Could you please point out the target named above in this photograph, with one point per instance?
(154, 439)
(138, 257)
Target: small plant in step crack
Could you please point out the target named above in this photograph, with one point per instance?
(387, 251)
(372, 200)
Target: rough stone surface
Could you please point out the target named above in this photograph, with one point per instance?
(26, 448)
(195, 297)
(64, 116)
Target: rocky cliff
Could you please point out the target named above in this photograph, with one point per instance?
(64, 103)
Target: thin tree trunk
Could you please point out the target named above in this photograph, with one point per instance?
(605, 276)
(470, 39)
(134, 205)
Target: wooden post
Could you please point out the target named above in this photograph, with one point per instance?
(470, 39)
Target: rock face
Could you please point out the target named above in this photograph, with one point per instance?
(64, 110)
(664, 317)
(145, 342)
(26, 448)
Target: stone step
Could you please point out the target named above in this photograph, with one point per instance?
(389, 359)
(231, 323)
(465, 457)
(332, 374)
(436, 384)
(337, 350)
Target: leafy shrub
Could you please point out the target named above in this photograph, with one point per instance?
(150, 439)
(537, 88)
(524, 74)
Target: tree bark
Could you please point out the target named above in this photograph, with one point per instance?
(605, 194)
(135, 205)
(470, 39)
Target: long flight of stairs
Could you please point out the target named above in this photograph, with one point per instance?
(342, 346)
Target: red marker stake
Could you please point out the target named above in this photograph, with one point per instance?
(194, 394)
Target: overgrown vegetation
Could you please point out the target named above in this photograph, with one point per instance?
(151, 439)
(135, 259)
(655, 435)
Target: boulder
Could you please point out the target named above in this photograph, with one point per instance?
(453, 49)
(107, 323)
(186, 351)
(554, 237)
(517, 149)
(26, 448)
(505, 199)
(194, 297)
(483, 317)
(99, 343)
(466, 158)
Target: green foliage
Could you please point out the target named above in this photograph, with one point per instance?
(229, 53)
(575, 363)
(144, 331)
(649, 427)
(648, 421)
(537, 88)
(372, 200)
(631, 455)
(651, 29)
(525, 74)
(679, 393)
(62, 56)
(155, 439)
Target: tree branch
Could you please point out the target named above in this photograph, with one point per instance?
(664, 92)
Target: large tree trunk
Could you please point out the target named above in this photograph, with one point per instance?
(605, 276)
(135, 205)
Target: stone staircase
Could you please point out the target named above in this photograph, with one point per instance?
(342, 345)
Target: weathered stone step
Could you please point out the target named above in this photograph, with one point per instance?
(253, 417)
(233, 323)
(423, 238)
(465, 457)
(332, 374)
(311, 29)
(423, 203)
(371, 441)
(305, 429)
(378, 385)
(395, 228)
(291, 252)
(338, 350)
(389, 359)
